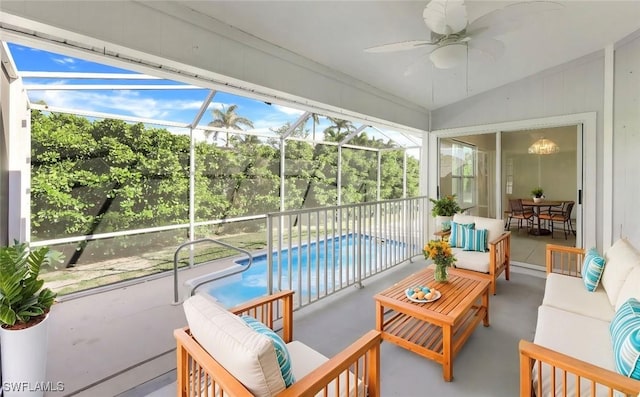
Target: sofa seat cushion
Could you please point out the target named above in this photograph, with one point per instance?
(248, 355)
(621, 259)
(304, 360)
(568, 293)
(471, 260)
(582, 337)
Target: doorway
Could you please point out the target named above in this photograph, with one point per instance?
(507, 165)
(546, 159)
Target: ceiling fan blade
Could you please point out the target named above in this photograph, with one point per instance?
(401, 46)
(445, 16)
(510, 17)
(490, 47)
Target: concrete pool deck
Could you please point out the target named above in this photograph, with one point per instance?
(111, 342)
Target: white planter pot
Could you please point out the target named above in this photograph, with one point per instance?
(538, 199)
(24, 360)
(440, 220)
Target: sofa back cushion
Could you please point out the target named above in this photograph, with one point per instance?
(621, 258)
(248, 355)
(630, 287)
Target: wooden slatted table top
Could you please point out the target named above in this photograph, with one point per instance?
(458, 294)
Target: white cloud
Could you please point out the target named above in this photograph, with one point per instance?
(64, 61)
(121, 102)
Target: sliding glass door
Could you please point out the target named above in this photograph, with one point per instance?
(467, 170)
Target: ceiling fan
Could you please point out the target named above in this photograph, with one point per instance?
(452, 35)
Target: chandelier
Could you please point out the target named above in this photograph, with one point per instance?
(544, 146)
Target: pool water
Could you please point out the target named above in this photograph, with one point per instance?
(303, 269)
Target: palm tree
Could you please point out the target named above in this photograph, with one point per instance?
(316, 119)
(335, 132)
(227, 118)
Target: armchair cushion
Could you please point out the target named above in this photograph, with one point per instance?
(306, 360)
(592, 268)
(284, 360)
(248, 355)
(471, 260)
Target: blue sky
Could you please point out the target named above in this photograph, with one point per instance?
(166, 105)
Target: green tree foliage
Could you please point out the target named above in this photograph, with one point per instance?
(92, 177)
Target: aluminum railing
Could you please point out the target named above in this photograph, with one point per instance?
(319, 251)
(211, 277)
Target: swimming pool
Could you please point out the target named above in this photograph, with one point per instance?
(312, 270)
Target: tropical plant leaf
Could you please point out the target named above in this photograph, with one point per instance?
(21, 293)
(7, 315)
(46, 298)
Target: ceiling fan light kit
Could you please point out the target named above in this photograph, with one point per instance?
(452, 34)
(449, 56)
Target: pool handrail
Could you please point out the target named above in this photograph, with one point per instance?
(176, 299)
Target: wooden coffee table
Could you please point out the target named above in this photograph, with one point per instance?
(435, 330)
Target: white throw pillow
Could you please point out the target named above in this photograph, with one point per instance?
(248, 355)
(621, 259)
(630, 288)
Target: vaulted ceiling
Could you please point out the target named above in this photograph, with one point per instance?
(336, 33)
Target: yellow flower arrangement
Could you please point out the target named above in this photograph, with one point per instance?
(440, 252)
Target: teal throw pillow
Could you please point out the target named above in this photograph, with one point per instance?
(625, 336)
(458, 235)
(592, 268)
(475, 240)
(284, 360)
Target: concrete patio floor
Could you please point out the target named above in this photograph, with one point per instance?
(120, 342)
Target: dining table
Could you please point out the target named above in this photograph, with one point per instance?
(537, 206)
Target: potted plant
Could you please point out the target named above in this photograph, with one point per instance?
(24, 308)
(538, 194)
(443, 210)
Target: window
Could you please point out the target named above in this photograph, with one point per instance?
(458, 171)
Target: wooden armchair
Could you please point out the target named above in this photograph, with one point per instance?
(353, 372)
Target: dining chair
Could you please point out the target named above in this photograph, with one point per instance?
(564, 217)
(519, 212)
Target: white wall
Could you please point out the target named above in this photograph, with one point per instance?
(626, 141)
(197, 45)
(572, 88)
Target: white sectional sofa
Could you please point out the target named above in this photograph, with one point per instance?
(495, 260)
(573, 327)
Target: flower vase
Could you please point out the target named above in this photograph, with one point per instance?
(440, 273)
